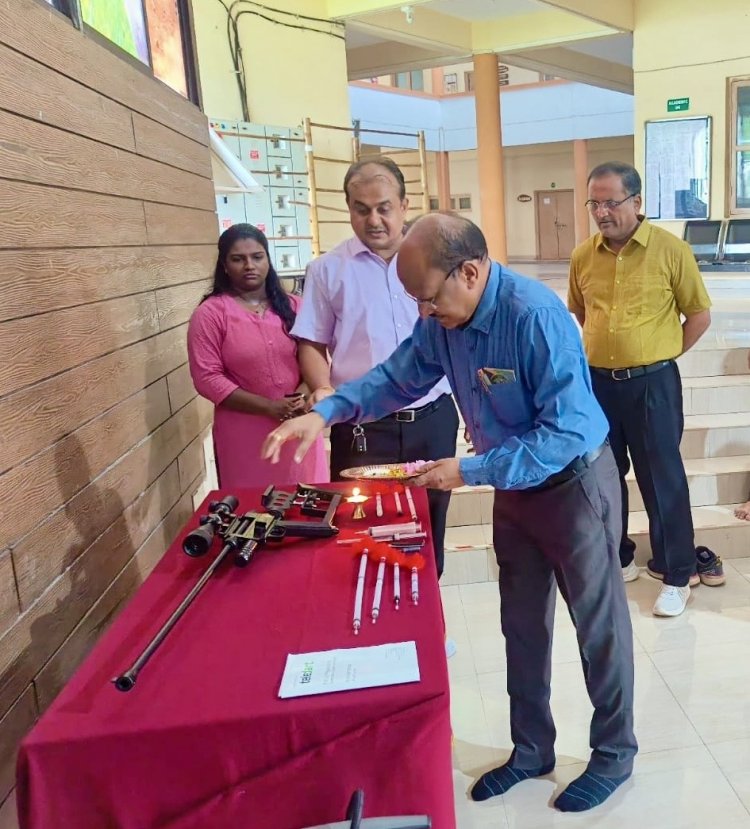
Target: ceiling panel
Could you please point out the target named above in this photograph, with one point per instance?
(483, 9)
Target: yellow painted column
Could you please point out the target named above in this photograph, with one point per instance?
(490, 155)
(442, 159)
(580, 189)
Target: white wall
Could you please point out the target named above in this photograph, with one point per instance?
(526, 169)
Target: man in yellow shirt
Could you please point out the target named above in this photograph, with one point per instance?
(630, 285)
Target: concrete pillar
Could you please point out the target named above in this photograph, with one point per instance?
(580, 189)
(490, 154)
(442, 159)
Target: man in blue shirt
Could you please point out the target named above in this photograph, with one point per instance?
(516, 365)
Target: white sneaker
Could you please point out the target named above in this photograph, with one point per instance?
(450, 648)
(672, 600)
(631, 572)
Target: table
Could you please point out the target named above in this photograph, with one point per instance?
(203, 742)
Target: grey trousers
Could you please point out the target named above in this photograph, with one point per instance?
(567, 537)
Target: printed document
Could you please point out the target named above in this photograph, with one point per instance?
(347, 669)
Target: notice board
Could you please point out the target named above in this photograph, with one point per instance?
(678, 168)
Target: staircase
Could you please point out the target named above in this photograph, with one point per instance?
(715, 448)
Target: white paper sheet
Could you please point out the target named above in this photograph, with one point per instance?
(347, 669)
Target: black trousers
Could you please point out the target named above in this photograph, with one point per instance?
(646, 421)
(430, 437)
(567, 537)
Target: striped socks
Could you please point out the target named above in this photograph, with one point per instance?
(587, 791)
(499, 780)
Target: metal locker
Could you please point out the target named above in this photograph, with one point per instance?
(299, 162)
(230, 209)
(228, 132)
(277, 142)
(287, 256)
(282, 201)
(258, 211)
(253, 148)
(284, 227)
(305, 252)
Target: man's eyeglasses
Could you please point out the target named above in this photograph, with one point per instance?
(430, 303)
(610, 204)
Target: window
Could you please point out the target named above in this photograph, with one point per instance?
(156, 33)
(121, 22)
(409, 80)
(469, 81)
(63, 6)
(739, 137)
(450, 83)
(464, 203)
(435, 203)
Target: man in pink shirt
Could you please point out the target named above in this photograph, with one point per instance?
(356, 310)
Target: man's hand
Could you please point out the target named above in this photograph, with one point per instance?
(442, 474)
(318, 395)
(304, 429)
(743, 511)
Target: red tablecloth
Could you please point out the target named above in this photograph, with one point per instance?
(204, 742)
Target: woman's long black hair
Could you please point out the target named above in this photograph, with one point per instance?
(277, 296)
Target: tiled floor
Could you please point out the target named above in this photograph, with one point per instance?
(692, 708)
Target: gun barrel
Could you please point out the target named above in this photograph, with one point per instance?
(127, 680)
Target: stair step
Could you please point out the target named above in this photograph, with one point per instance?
(469, 556)
(711, 481)
(716, 395)
(715, 527)
(708, 362)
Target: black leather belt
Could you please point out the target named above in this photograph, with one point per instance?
(575, 467)
(629, 373)
(410, 415)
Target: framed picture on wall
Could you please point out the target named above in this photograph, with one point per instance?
(678, 168)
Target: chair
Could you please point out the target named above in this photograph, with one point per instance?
(736, 246)
(704, 237)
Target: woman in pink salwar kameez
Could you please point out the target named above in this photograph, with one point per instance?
(244, 361)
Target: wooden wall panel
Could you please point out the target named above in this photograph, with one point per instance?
(107, 238)
(163, 144)
(48, 344)
(32, 216)
(32, 490)
(93, 274)
(40, 631)
(59, 669)
(191, 462)
(34, 152)
(32, 29)
(13, 726)
(177, 226)
(175, 305)
(181, 388)
(9, 607)
(52, 546)
(36, 417)
(27, 88)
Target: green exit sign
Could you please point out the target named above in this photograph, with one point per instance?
(678, 104)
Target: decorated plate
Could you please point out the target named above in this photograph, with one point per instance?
(384, 471)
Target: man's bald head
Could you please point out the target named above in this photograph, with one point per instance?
(446, 240)
(443, 263)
